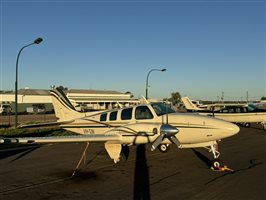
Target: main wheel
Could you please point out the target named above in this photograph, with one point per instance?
(264, 126)
(247, 125)
(163, 148)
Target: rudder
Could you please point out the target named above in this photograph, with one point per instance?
(64, 110)
(189, 105)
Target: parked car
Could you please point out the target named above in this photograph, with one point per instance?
(5, 109)
(36, 109)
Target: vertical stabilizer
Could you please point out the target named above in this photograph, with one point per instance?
(64, 110)
(189, 105)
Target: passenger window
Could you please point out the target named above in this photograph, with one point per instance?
(231, 110)
(225, 111)
(126, 114)
(103, 117)
(113, 116)
(143, 112)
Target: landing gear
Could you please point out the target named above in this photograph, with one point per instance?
(216, 164)
(123, 155)
(163, 148)
(263, 125)
(214, 150)
(246, 125)
(116, 160)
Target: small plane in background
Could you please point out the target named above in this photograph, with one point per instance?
(152, 123)
(193, 105)
(261, 106)
(237, 113)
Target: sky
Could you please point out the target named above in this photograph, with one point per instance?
(208, 48)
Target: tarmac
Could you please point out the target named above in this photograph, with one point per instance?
(44, 171)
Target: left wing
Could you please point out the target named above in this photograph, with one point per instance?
(54, 123)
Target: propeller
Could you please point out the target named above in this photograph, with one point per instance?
(166, 131)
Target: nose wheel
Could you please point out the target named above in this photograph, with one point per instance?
(216, 164)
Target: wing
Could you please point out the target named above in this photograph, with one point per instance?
(64, 139)
(44, 124)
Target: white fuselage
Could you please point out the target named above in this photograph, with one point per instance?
(193, 129)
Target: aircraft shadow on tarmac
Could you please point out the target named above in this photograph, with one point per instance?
(23, 150)
(203, 158)
(141, 186)
(141, 178)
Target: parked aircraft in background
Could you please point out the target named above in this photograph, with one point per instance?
(236, 113)
(193, 105)
(258, 106)
(152, 123)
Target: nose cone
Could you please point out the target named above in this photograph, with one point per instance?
(223, 128)
(228, 129)
(232, 129)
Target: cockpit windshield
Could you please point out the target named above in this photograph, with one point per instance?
(161, 108)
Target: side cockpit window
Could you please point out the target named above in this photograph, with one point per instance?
(126, 114)
(143, 112)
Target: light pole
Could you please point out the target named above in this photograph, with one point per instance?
(147, 79)
(37, 41)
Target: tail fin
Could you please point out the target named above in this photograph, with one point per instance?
(64, 110)
(189, 105)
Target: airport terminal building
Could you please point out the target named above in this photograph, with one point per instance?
(100, 99)
(82, 100)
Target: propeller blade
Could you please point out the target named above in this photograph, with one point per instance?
(158, 140)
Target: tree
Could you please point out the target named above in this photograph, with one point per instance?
(263, 98)
(131, 95)
(175, 98)
(63, 88)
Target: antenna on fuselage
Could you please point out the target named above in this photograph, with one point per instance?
(166, 113)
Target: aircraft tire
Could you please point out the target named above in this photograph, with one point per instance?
(163, 148)
(247, 125)
(216, 164)
(124, 153)
(263, 126)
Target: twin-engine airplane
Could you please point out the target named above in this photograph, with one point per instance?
(152, 123)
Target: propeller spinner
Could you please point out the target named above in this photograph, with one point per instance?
(166, 131)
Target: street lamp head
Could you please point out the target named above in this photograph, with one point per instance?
(163, 70)
(38, 40)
